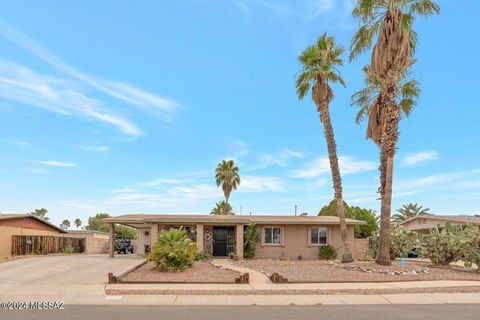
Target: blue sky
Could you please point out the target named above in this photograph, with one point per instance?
(111, 106)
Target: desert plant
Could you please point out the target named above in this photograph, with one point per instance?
(471, 252)
(327, 252)
(173, 251)
(67, 249)
(443, 245)
(401, 243)
(199, 256)
(250, 236)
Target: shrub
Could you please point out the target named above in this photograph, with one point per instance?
(327, 252)
(401, 243)
(443, 245)
(173, 251)
(251, 235)
(67, 249)
(470, 243)
(199, 256)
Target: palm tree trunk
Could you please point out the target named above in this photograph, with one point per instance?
(387, 147)
(337, 180)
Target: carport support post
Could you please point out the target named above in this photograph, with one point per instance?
(111, 240)
(239, 241)
(199, 239)
(153, 234)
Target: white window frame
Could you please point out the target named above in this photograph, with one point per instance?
(264, 236)
(318, 233)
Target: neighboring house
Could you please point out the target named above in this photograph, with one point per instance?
(423, 223)
(23, 225)
(280, 236)
(95, 241)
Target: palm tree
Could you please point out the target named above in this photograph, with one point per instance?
(391, 23)
(41, 213)
(65, 224)
(77, 222)
(222, 208)
(408, 211)
(319, 69)
(226, 175)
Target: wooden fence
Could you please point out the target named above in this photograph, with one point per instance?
(36, 245)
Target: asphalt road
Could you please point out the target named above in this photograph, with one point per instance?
(367, 312)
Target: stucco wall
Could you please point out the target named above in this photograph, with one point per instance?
(360, 246)
(6, 234)
(295, 243)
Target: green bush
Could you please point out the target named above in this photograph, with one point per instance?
(443, 245)
(327, 252)
(199, 256)
(251, 235)
(67, 249)
(173, 251)
(401, 243)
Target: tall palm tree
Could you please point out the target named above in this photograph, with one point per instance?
(77, 222)
(319, 69)
(390, 22)
(222, 208)
(227, 175)
(408, 211)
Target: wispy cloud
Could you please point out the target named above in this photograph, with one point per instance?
(260, 184)
(418, 157)
(299, 11)
(53, 163)
(96, 149)
(43, 87)
(281, 158)
(19, 143)
(348, 165)
(21, 84)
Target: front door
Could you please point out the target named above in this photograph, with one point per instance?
(220, 241)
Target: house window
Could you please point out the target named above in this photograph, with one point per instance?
(318, 235)
(273, 236)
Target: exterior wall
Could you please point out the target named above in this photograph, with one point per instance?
(94, 241)
(6, 234)
(27, 223)
(295, 242)
(360, 246)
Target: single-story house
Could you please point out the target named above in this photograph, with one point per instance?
(280, 236)
(23, 225)
(95, 241)
(425, 222)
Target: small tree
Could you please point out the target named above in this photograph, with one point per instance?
(41, 213)
(65, 224)
(251, 235)
(77, 223)
(173, 251)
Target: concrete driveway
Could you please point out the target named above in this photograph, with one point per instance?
(69, 277)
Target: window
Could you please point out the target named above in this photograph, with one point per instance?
(273, 236)
(318, 235)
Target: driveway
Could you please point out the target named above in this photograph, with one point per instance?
(72, 276)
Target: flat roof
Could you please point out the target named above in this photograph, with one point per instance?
(139, 219)
(473, 219)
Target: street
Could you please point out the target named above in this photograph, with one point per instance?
(355, 312)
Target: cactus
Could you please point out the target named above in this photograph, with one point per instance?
(444, 245)
(401, 243)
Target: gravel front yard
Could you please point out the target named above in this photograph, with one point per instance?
(324, 271)
(201, 272)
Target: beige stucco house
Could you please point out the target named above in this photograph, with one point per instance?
(423, 223)
(280, 236)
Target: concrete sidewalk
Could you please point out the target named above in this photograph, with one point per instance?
(290, 286)
(231, 300)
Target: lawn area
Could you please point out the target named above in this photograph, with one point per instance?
(325, 271)
(201, 272)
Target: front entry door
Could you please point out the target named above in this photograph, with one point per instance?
(220, 241)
